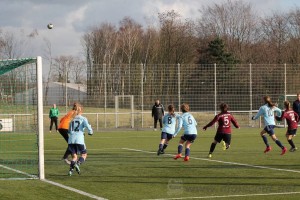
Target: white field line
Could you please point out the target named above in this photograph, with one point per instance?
(74, 190)
(224, 162)
(231, 163)
(53, 183)
(19, 172)
(230, 196)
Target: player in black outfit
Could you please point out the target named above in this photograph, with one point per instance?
(158, 113)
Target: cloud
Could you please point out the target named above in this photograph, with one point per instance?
(73, 18)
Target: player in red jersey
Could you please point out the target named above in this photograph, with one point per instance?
(292, 119)
(224, 119)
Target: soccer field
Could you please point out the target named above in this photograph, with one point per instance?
(124, 165)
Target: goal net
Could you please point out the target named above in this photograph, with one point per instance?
(21, 135)
(124, 111)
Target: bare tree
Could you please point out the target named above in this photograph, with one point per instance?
(233, 21)
(130, 36)
(101, 45)
(275, 31)
(294, 36)
(78, 71)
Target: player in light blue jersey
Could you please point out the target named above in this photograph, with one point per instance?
(169, 129)
(76, 142)
(189, 124)
(267, 111)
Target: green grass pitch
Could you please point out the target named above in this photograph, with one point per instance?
(124, 165)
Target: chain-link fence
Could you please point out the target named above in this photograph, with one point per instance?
(202, 86)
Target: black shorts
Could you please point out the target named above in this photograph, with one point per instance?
(190, 138)
(223, 136)
(291, 132)
(165, 135)
(77, 148)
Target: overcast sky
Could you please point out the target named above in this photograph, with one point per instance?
(73, 18)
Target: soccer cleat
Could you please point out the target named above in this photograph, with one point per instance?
(269, 148)
(186, 158)
(177, 156)
(77, 168)
(283, 151)
(223, 145)
(293, 149)
(158, 152)
(209, 155)
(70, 172)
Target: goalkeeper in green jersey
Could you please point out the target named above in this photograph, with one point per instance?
(53, 115)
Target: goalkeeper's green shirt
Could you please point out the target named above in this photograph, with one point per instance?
(54, 112)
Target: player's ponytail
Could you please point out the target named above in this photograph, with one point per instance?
(171, 110)
(267, 100)
(77, 109)
(287, 105)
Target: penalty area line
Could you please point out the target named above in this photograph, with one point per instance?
(51, 182)
(230, 196)
(73, 190)
(224, 162)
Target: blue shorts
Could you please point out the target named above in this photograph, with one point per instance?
(190, 138)
(165, 135)
(291, 132)
(270, 129)
(77, 148)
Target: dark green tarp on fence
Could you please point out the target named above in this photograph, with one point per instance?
(10, 64)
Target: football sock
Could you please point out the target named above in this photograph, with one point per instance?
(72, 165)
(180, 147)
(187, 152)
(265, 139)
(279, 144)
(291, 143)
(80, 161)
(165, 146)
(160, 146)
(212, 147)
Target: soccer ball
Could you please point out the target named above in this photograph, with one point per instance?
(50, 26)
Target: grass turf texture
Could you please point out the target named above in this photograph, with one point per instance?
(116, 169)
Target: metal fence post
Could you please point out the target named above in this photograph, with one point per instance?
(179, 101)
(142, 93)
(250, 93)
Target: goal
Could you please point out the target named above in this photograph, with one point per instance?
(124, 111)
(290, 97)
(21, 119)
(280, 101)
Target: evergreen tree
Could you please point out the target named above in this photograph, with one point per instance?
(215, 53)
